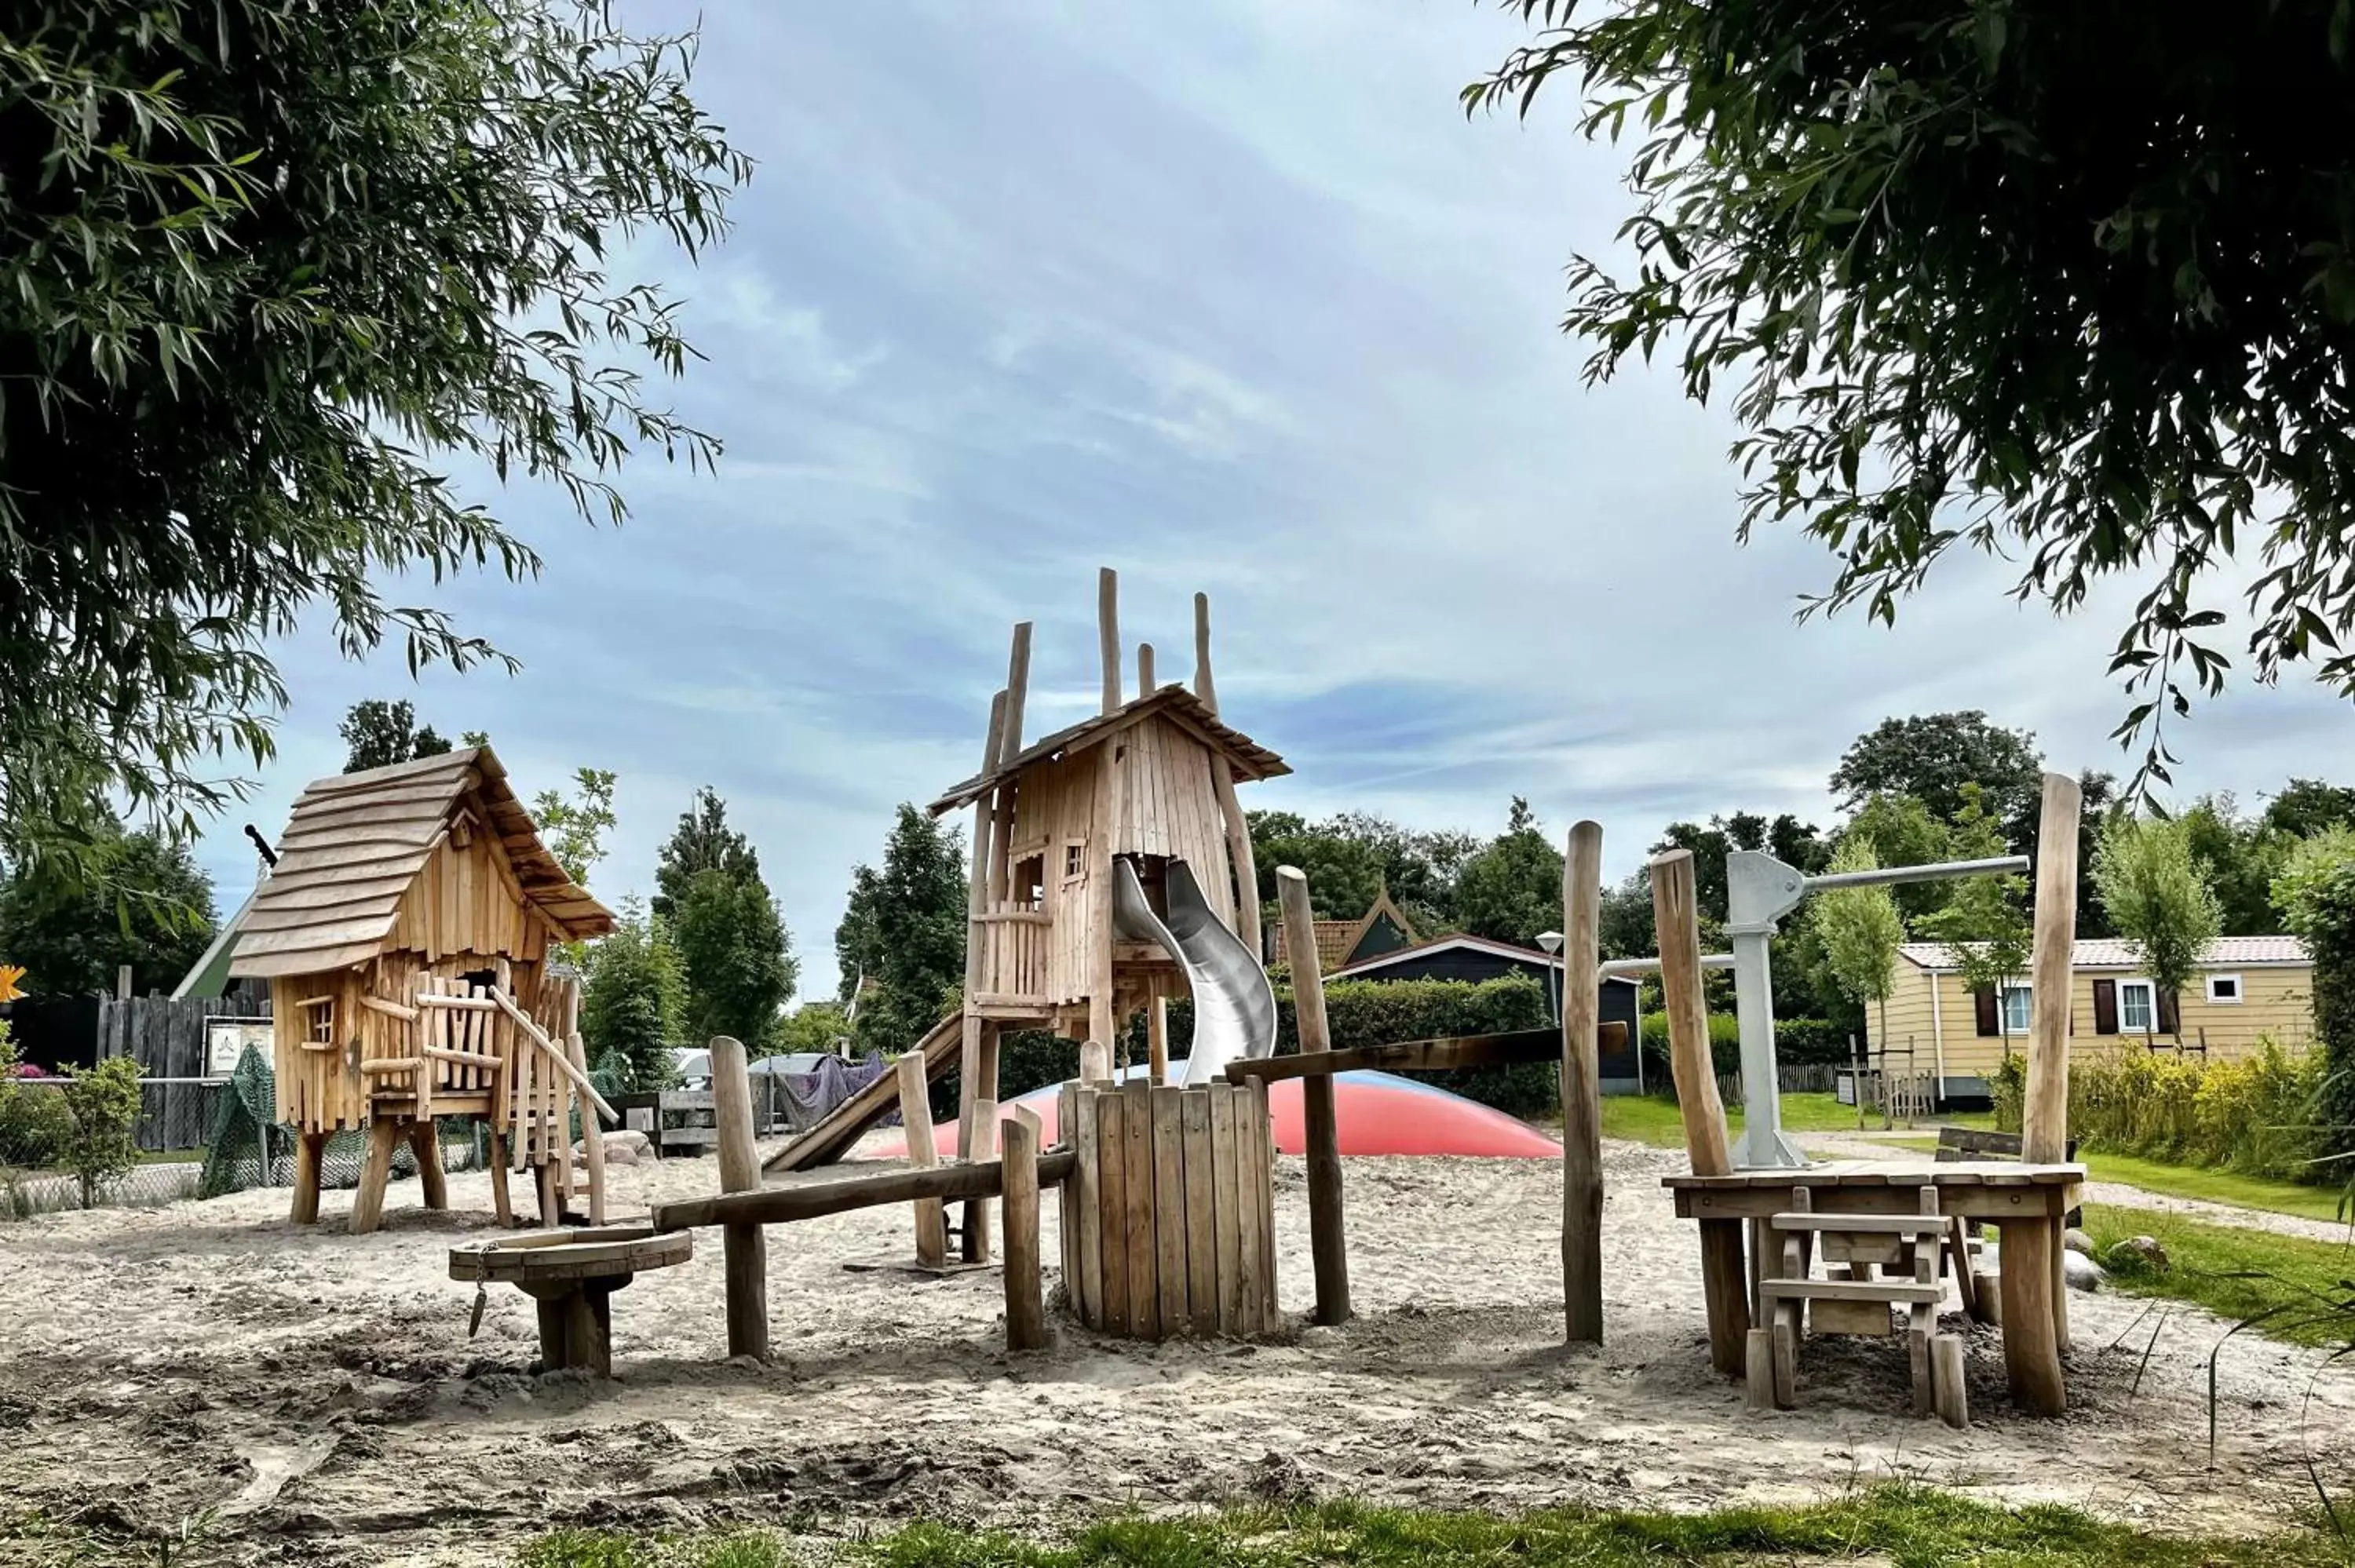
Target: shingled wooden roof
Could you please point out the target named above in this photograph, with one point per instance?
(1246, 757)
(358, 840)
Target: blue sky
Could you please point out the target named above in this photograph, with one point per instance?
(1230, 296)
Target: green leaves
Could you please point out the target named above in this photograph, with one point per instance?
(2053, 284)
(254, 303)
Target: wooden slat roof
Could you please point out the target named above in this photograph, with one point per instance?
(1248, 759)
(358, 840)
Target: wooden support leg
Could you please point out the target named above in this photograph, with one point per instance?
(555, 1333)
(587, 1315)
(376, 1170)
(1329, 1245)
(1786, 1354)
(427, 1147)
(1026, 1312)
(916, 1119)
(503, 1210)
(2031, 1349)
(746, 1248)
(972, 1237)
(2060, 1291)
(1758, 1370)
(1725, 1292)
(551, 1206)
(310, 1148)
(1918, 1334)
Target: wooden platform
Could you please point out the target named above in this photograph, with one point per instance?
(1992, 1190)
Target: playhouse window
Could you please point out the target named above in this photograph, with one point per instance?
(1029, 884)
(319, 1020)
(1074, 861)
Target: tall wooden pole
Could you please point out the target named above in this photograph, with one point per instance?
(1582, 1086)
(1108, 633)
(1145, 686)
(1676, 915)
(2044, 1116)
(1026, 1310)
(1204, 686)
(1328, 1248)
(916, 1121)
(746, 1246)
(989, 830)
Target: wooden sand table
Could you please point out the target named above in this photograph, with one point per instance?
(572, 1275)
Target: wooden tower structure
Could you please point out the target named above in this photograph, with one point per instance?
(407, 933)
(1148, 780)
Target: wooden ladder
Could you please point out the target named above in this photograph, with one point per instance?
(1791, 1301)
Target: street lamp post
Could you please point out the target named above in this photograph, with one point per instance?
(1551, 942)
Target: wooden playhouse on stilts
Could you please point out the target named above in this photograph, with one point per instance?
(406, 932)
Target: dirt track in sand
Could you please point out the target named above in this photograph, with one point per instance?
(317, 1394)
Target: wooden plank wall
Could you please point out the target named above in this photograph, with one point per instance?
(167, 1038)
(1169, 1221)
(323, 1090)
(1170, 808)
(466, 900)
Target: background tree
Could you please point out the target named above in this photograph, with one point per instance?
(1511, 890)
(1860, 929)
(145, 904)
(1985, 920)
(2060, 288)
(814, 1026)
(2305, 806)
(1352, 857)
(102, 1141)
(254, 303)
(574, 830)
(736, 955)
(2238, 858)
(381, 733)
(1900, 829)
(2151, 886)
(2318, 898)
(633, 1001)
(1931, 757)
(904, 930)
(702, 841)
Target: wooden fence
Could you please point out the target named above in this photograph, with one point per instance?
(167, 1039)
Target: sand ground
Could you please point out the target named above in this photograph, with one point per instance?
(313, 1396)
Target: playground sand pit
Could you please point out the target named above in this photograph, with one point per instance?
(313, 1396)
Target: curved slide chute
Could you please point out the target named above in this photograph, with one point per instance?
(1235, 1003)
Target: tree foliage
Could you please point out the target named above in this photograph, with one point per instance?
(904, 932)
(2072, 286)
(1860, 929)
(633, 1001)
(702, 841)
(269, 271)
(1511, 890)
(1985, 919)
(2152, 887)
(102, 1142)
(736, 954)
(2321, 903)
(1352, 857)
(144, 904)
(1934, 758)
(574, 828)
(381, 733)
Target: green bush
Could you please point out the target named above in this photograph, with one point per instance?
(34, 1122)
(2319, 902)
(2252, 1114)
(1813, 1041)
(103, 1103)
(1724, 1044)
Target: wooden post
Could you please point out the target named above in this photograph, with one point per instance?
(502, 1207)
(1156, 1038)
(308, 1148)
(593, 1132)
(2031, 1348)
(1108, 633)
(1104, 834)
(1204, 687)
(426, 1149)
(991, 825)
(1026, 1310)
(1095, 1061)
(746, 1246)
(376, 1170)
(1676, 916)
(916, 1119)
(1328, 1249)
(123, 982)
(1145, 686)
(1946, 1381)
(2044, 1116)
(1581, 1087)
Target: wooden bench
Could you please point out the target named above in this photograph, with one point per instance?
(1791, 1301)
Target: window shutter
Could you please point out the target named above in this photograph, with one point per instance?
(2105, 1007)
(1984, 1003)
(2171, 1022)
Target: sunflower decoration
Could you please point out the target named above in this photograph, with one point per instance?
(9, 974)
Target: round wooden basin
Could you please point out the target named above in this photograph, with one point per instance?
(572, 1275)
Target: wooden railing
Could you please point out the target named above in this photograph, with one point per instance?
(1013, 939)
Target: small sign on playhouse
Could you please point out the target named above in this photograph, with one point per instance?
(226, 1040)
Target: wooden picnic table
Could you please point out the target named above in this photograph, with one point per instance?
(2026, 1203)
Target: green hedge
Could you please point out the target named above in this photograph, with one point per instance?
(1358, 1012)
(2253, 1115)
(1796, 1040)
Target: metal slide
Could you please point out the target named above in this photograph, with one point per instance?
(1234, 1004)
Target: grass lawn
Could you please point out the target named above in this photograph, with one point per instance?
(1906, 1526)
(2215, 1186)
(2308, 1285)
(1649, 1118)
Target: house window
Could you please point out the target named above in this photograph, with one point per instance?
(2138, 1007)
(2016, 1016)
(319, 1020)
(2224, 990)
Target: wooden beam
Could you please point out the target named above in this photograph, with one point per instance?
(464, 1003)
(1204, 687)
(746, 1246)
(1510, 1049)
(1108, 634)
(1328, 1248)
(592, 1136)
(531, 1031)
(1675, 915)
(1144, 670)
(390, 1009)
(815, 1200)
(2044, 1114)
(1581, 1087)
(1017, 693)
